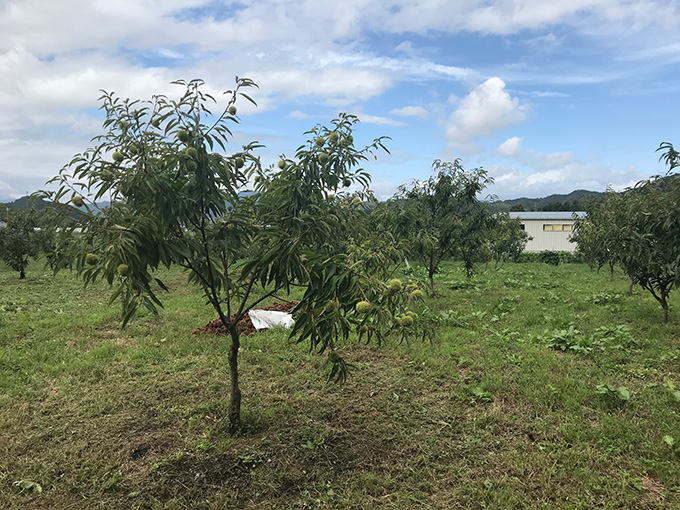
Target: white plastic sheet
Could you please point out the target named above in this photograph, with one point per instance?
(263, 319)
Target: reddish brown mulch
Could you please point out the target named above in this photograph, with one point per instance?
(245, 325)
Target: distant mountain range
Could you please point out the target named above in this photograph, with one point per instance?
(23, 203)
(573, 201)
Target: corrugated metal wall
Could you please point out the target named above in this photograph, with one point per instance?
(547, 239)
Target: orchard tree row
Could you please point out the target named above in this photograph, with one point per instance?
(638, 230)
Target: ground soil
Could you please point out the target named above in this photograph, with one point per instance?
(245, 325)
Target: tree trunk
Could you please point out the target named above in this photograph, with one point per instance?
(235, 398)
(661, 297)
(664, 305)
(611, 270)
(630, 287)
(22, 274)
(430, 273)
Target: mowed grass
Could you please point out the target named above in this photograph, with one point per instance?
(487, 416)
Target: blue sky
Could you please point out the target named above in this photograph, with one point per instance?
(547, 96)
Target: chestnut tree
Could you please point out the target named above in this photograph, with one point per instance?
(506, 237)
(176, 198)
(639, 229)
(443, 215)
(645, 226)
(21, 238)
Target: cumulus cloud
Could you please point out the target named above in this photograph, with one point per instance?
(487, 108)
(511, 147)
(534, 174)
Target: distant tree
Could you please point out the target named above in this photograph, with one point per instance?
(21, 239)
(507, 239)
(517, 208)
(594, 234)
(472, 234)
(443, 214)
(560, 206)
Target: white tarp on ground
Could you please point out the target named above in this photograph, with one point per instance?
(263, 319)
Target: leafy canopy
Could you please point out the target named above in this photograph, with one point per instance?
(177, 198)
(443, 215)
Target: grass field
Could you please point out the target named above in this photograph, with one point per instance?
(517, 404)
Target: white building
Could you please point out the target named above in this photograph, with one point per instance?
(550, 229)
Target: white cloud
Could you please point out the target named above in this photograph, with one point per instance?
(511, 147)
(47, 26)
(669, 52)
(383, 189)
(546, 42)
(373, 119)
(344, 84)
(38, 158)
(512, 16)
(55, 56)
(514, 182)
(536, 174)
(412, 67)
(548, 93)
(297, 114)
(410, 111)
(553, 160)
(405, 47)
(8, 192)
(486, 109)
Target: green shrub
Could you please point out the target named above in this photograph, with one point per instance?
(550, 257)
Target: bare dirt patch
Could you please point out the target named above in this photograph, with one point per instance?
(245, 325)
